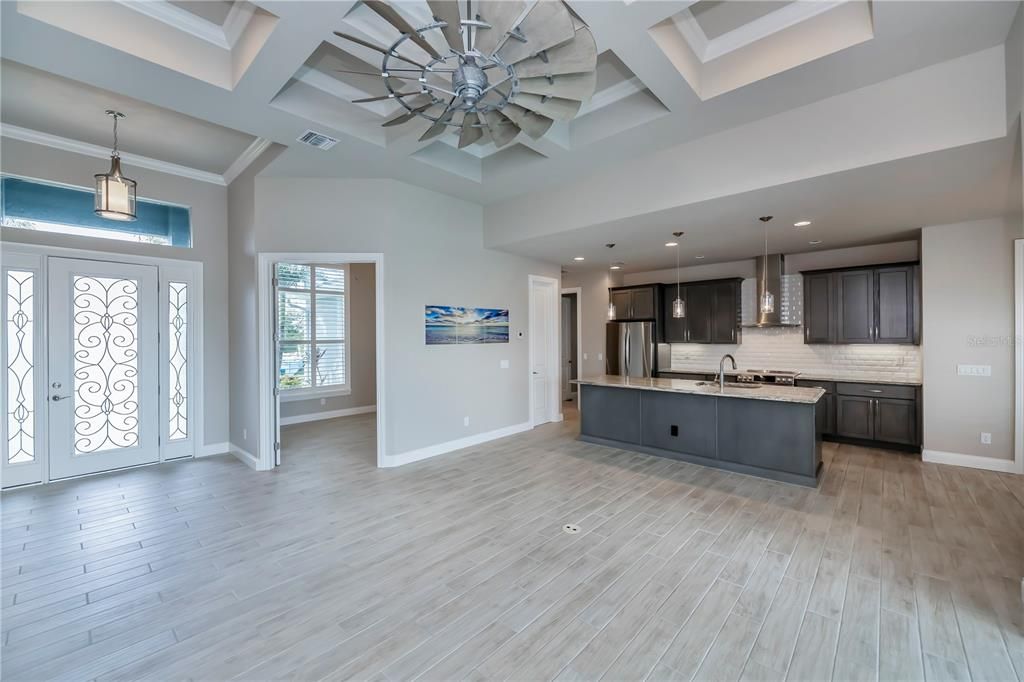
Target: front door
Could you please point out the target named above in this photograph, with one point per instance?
(103, 395)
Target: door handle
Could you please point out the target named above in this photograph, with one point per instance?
(58, 398)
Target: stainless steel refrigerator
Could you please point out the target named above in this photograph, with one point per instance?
(630, 349)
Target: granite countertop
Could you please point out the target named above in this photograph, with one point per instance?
(813, 376)
(783, 394)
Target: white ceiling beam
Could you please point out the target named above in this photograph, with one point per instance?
(246, 159)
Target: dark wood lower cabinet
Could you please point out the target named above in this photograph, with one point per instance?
(896, 421)
(855, 417)
(888, 414)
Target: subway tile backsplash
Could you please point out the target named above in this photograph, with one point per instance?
(784, 348)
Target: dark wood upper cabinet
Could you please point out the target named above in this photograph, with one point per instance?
(643, 304)
(863, 305)
(635, 303)
(725, 319)
(855, 306)
(699, 313)
(819, 308)
(673, 328)
(896, 304)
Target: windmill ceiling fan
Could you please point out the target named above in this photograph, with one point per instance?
(510, 66)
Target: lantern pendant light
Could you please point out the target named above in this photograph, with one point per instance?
(767, 301)
(678, 305)
(115, 193)
(612, 313)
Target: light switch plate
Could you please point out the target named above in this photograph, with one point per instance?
(504, 364)
(974, 370)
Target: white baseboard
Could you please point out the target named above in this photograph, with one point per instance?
(245, 456)
(449, 446)
(211, 449)
(328, 414)
(972, 461)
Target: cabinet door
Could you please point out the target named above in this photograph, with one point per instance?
(643, 304)
(674, 328)
(895, 286)
(896, 421)
(855, 314)
(825, 416)
(855, 417)
(623, 301)
(699, 306)
(725, 316)
(819, 308)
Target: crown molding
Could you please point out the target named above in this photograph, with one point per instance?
(86, 149)
(246, 158)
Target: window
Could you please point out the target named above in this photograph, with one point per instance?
(47, 207)
(312, 324)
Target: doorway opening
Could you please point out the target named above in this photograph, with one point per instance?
(570, 343)
(321, 353)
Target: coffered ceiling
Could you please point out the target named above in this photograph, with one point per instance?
(671, 75)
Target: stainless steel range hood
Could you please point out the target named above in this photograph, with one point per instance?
(769, 275)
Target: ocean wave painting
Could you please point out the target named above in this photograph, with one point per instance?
(446, 324)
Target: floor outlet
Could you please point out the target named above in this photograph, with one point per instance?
(571, 529)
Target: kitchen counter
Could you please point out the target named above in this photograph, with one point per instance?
(813, 376)
(769, 431)
(785, 394)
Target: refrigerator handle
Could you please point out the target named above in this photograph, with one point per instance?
(625, 369)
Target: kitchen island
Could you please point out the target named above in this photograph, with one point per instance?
(761, 430)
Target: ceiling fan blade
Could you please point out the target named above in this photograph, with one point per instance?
(577, 56)
(383, 97)
(533, 124)
(378, 48)
(548, 24)
(502, 16)
(502, 129)
(390, 15)
(552, 107)
(448, 12)
(439, 127)
(567, 85)
(417, 107)
(470, 133)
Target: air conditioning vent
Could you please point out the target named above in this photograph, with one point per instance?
(318, 140)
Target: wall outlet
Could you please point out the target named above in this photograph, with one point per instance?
(323, 401)
(600, 356)
(465, 421)
(974, 370)
(986, 438)
(245, 434)
(504, 364)
(584, 356)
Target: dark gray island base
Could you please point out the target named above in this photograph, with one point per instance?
(772, 435)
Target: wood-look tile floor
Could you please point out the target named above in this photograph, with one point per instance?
(458, 567)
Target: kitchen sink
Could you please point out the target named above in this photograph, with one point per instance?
(728, 384)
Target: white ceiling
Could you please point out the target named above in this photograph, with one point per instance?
(644, 105)
(214, 11)
(40, 101)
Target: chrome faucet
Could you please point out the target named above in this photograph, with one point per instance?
(721, 370)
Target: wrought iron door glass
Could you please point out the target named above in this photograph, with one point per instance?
(177, 391)
(20, 332)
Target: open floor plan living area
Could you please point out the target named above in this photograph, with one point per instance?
(518, 340)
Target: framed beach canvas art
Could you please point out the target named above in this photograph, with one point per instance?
(446, 324)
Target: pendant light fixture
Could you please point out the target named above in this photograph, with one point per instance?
(115, 193)
(612, 314)
(767, 302)
(678, 305)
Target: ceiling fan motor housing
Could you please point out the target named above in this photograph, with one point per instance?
(469, 81)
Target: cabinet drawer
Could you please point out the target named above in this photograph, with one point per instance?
(877, 390)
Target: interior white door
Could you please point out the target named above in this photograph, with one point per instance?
(566, 349)
(543, 350)
(103, 366)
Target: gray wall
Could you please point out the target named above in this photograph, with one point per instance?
(594, 317)
(362, 350)
(209, 246)
(968, 318)
(433, 254)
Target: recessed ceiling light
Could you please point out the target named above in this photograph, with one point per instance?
(802, 223)
(671, 243)
(615, 267)
(814, 242)
(700, 257)
(578, 258)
